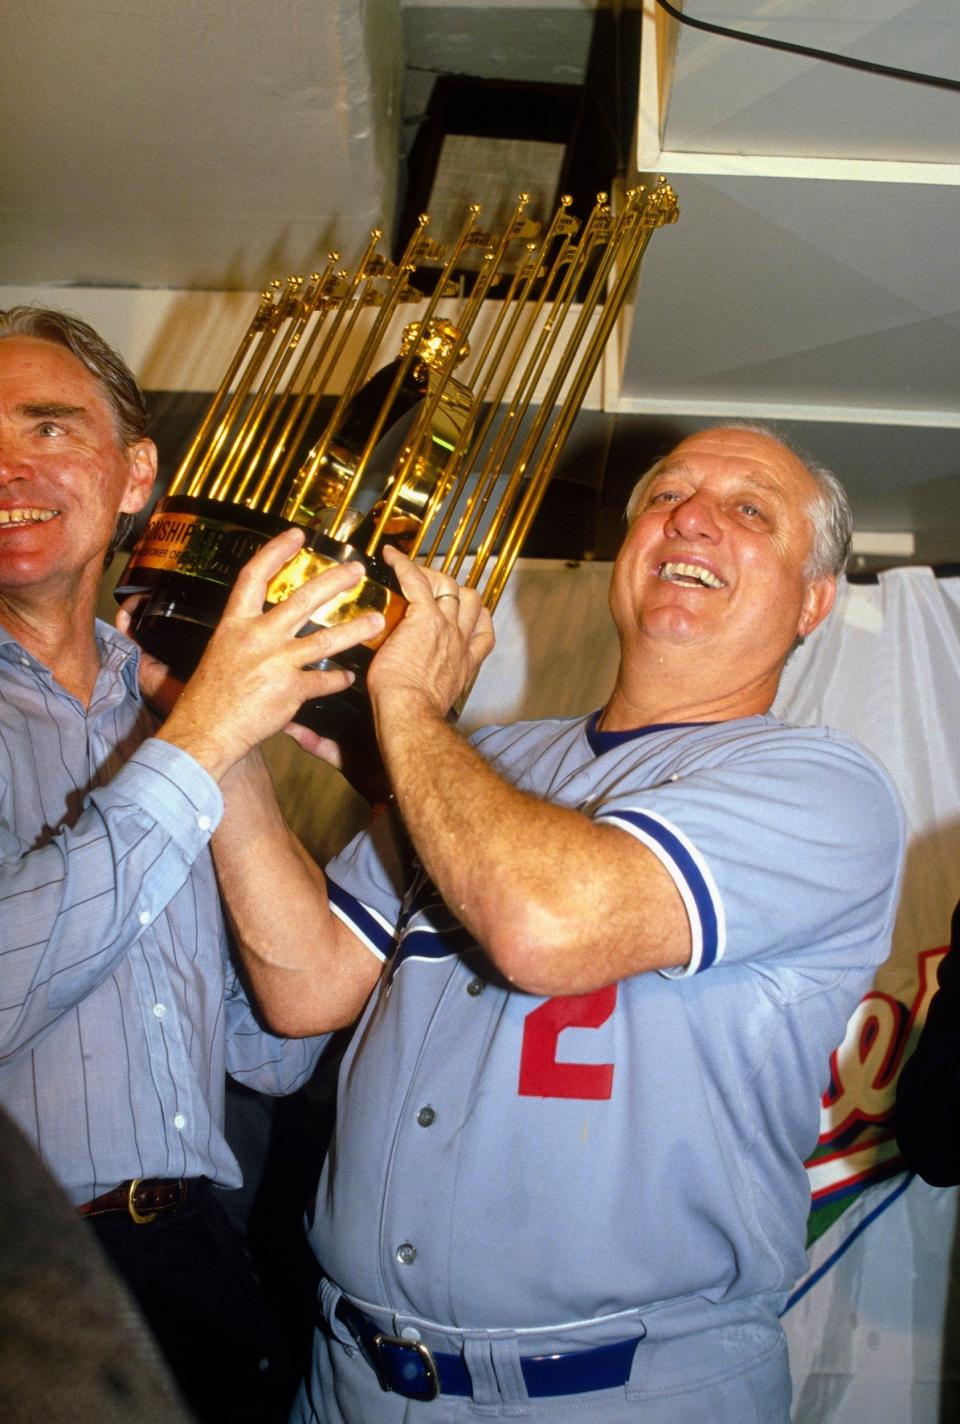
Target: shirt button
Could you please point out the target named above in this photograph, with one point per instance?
(159, 1010)
(179, 1122)
(25, 662)
(406, 1253)
(144, 917)
(475, 987)
(425, 1116)
(203, 822)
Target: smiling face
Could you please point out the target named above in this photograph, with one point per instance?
(714, 558)
(64, 473)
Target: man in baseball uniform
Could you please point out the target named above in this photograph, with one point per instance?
(604, 961)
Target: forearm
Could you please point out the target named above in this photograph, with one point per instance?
(561, 904)
(308, 972)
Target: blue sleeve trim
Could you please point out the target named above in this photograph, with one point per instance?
(692, 877)
(376, 934)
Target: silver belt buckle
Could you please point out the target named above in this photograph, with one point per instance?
(406, 1367)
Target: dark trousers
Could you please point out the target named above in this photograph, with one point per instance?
(192, 1278)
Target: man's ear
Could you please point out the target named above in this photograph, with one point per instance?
(817, 603)
(142, 464)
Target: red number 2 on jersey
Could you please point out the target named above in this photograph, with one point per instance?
(541, 1075)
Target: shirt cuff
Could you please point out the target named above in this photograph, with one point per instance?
(173, 789)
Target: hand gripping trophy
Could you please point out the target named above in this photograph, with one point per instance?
(443, 435)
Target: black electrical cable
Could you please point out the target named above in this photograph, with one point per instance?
(936, 81)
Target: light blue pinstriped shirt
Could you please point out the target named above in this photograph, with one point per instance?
(119, 1009)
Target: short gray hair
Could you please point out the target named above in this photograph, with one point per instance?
(829, 511)
(118, 381)
(120, 386)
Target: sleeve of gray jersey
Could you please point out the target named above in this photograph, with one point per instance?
(367, 881)
(790, 847)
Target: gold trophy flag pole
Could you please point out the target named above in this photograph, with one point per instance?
(261, 321)
(313, 369)
(603, 229)
(444, 366)
(387, 306)
(301, 308)
(660, 210)
(562, 280)
(236, 401)
(402, 370)
(286, 410)
(507, 334)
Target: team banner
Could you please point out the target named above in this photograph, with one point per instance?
(866, 1326)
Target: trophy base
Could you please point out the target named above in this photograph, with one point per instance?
(184, 568)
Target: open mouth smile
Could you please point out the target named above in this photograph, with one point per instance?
(689, 575)
(26, 515)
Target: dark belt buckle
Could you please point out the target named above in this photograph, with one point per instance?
(406, 1367)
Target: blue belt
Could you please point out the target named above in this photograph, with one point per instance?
(409, 1368)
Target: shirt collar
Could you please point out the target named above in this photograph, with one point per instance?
(120, 652)
(117, 652)
(601, 742)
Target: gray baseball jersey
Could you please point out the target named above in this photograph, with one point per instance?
(628, 1161)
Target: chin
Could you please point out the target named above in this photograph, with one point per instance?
(676, 625)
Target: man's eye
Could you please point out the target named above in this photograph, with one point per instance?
(664, 497)
(751, 509)
(49, 427)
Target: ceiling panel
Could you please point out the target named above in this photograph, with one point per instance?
(794, 290)
(175, 143)
(730, 97)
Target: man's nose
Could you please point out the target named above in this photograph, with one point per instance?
(11, 456)
(694, 518)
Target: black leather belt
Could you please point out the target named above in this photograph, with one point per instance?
(143, 1199)
(409, 1368)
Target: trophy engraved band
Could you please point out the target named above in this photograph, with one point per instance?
(443, 435)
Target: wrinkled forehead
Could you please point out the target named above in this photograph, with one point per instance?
(750, 461)
(53, 375)
(744, 453)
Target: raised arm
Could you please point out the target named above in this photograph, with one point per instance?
(308, 971)
(561, 904)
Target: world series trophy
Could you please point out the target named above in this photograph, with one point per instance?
(443, 435)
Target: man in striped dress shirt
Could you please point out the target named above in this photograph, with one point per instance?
(119, 1009)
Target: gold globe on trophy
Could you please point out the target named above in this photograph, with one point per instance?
(443, 435)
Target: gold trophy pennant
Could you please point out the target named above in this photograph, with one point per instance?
(444, 431)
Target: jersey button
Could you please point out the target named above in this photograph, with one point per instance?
(475, 987)
(426, 1116)
(406, 1253)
